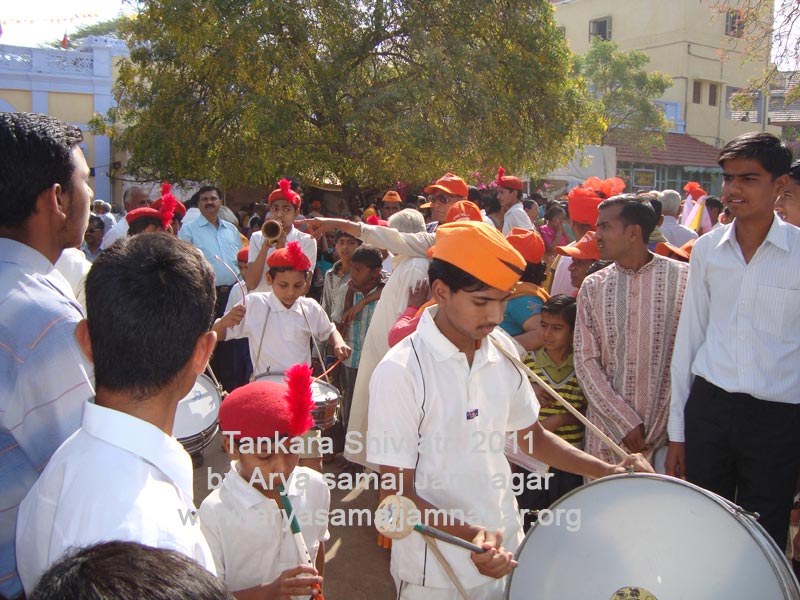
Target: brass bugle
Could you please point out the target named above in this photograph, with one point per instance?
(272, 232)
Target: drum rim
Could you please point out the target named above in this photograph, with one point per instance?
(742, 517)
(325, 384)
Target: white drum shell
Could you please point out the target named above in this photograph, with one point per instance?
(196, 417)
(674, 539)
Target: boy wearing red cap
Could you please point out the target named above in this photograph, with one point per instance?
(509, 194)
(284, 207)
(442, 399)
(243, 520)
(279, 324)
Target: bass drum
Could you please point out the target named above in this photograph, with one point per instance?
(648, 537)
(196, 417)
(324, 395)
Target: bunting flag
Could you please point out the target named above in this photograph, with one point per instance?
(65, 41)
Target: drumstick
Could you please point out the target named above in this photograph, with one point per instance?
(571, 409)
(238, 281)
(302, 549)
(331, 368)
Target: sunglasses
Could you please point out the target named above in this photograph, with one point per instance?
(441, 198)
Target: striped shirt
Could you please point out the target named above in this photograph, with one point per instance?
(562, 379)
(740, 324)
(624, 336)
(357, 329)
(44, 382)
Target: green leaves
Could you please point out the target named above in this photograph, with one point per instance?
(246, 91)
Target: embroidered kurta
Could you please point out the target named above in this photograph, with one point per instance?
(624, 336)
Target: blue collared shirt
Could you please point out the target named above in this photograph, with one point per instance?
(44, 382)
(222, 241)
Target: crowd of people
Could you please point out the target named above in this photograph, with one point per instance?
(669, 322)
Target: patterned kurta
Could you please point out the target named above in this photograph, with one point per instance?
(624, 338)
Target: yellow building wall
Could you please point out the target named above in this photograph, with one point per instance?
(19, 99)
(72, 108)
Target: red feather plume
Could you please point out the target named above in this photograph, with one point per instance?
(286, 188)
(299, 260)
(299, 399)
(168, 204)
(372, 220)
(501, 172)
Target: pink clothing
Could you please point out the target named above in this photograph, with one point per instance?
(624, 336)
(549, 237)
(405, 325)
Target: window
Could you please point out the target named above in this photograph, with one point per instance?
(712, 94)
(697, 92)
(600, 28)
(742, 106)
(673, 111)
(734, 23)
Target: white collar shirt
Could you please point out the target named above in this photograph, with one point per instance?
(280, 337)
(307, 244)
(516, 217)
(676, 234)
(117, 478)
(117, 232)
(429, 410)
(740, 322)
(248, 533)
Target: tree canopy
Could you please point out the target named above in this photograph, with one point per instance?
(110, 27)
(626, 92)
(368, 92)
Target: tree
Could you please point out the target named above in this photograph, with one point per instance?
(110, 27)
(626, 92)
(369, 92)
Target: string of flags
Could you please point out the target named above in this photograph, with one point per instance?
(51, 20)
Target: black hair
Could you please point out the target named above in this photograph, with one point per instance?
(534, 273)
(148, 299)
(553, 211)
(714, 202)
(96, 222)
(142, 223)
(208, 188)
(636, 210)
(474, 195)
(794, 173)
(564, 306)
(454, 278)
(537, 197)
(598, 265)
(341, 234)
(491, 204)
(193, 201)
(275, 270)
(37, 153)
(655, 203)
(771, 153)
(368, 255)
(127, 571)
(527, 203)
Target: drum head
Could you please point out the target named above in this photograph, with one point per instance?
(647, 537)
(198, 410)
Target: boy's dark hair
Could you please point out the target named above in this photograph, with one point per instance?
(564, 306)
(794, 172)
(636, 210)
(148, 299)
(340, 234)
(553, 211)
(209, 188)
(537, 197)
(127, 571)
(657, 207)
(276, 270)
(534, 273)
(771, 153)
(142, 223)
(454, 278)
(37, 153)
(713, 202)
(368, 255)
(193, 201)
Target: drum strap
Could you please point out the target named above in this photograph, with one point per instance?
(260, 342)
(314, 341)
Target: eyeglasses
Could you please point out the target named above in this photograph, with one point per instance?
(441, 198)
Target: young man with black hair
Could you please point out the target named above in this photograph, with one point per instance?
(627, 319)
(44, 378)
(122, 475)
(441, 402)
(735, 413)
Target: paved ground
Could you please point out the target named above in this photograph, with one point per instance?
(356, 568)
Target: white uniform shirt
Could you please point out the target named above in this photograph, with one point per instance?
(248, 533)
(676, 234)
(280, 337)
(74, 266)
(430, 411)
(516, 217)
(117, 232)
(116, 478)
(740, 322)
(307, 244)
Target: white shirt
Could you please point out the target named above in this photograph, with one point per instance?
(248, 533)
(423, 391)
(562, 278)
(117, 232)
(676, 234)
(307, 244)
(280, 337)
(516, 217)
(74, 266)
(116, 478)
(740, 323)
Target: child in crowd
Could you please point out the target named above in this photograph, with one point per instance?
(339, 274)
(243, 520)
(553, 233)
(554, 363)
(352, 312)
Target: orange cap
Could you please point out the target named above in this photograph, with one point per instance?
(582, 205)
(480, 250)
(451, 185)
(391, 196)
(670, 251)
(463, 210)
(585, 249)
(508, 181)
(528, 243)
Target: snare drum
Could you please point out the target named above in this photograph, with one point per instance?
(325, 396)
(649, 537)
(196, 417)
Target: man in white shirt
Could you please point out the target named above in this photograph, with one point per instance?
(676, 234)
(509, 194)
(132, 198)
(735, 407)
(44, 378)
(122, 475)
